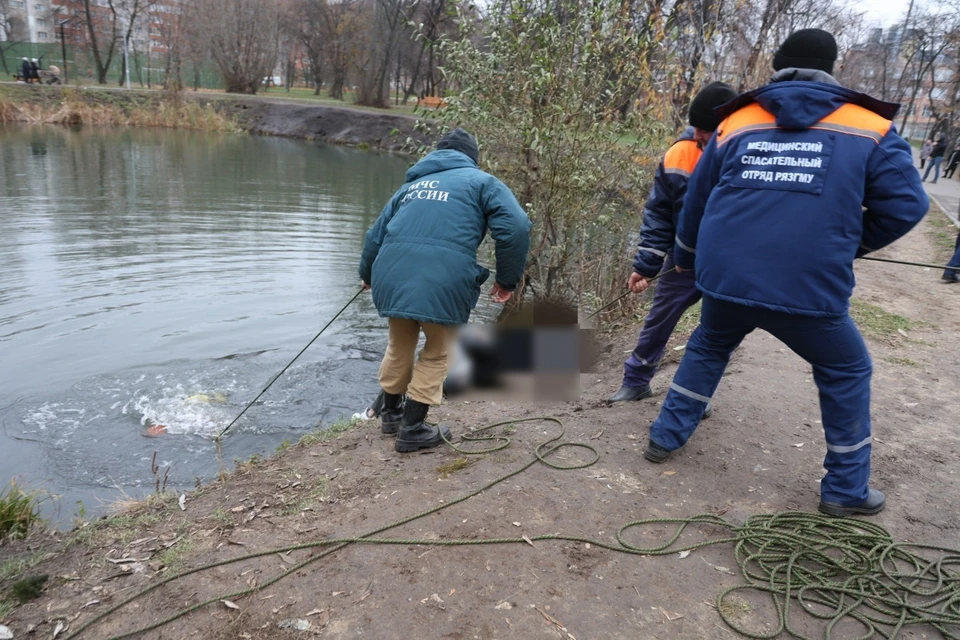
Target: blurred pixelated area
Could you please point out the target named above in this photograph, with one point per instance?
(536, 353)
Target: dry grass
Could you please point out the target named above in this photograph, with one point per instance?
(110, 109)
(19, 511)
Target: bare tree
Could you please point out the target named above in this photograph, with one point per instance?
(102, 34)
(172, 20)
(128, 12)
(243, 39)
(304, 22)
(386, 19)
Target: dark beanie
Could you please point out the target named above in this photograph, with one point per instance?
(710, 97)
(807, 49)
(460, 140)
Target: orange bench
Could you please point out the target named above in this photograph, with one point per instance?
(434, 102)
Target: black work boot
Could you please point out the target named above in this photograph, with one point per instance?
(630, 394)
(656, 453)
(874, 504)
(391, 414)
(414, 433)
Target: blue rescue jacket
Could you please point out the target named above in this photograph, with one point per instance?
(801, 178)
(420, 256)
(662, 210)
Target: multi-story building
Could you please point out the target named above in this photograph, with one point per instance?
(906, 67)
(27, 21)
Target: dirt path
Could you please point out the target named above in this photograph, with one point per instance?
(743, 461)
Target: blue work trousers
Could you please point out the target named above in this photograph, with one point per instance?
(675, 293)
(955, 260)
(841, 370)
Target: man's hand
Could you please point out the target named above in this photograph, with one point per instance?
(679, 270)
(366, 287)
(637, 283)
(499, 294)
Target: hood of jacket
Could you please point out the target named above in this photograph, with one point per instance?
(799, 98)
(440, 160)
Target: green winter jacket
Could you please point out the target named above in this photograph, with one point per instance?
(420, 257)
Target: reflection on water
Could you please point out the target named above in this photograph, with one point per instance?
(156, 277)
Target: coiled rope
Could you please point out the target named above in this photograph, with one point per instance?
(835, 569)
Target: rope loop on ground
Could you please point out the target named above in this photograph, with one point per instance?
(839, 570)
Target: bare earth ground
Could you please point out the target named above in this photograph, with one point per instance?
(742, 461)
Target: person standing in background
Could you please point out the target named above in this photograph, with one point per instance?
(936, 157)
(925, 152)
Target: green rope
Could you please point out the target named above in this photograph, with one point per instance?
(833, 569)
(289, 364)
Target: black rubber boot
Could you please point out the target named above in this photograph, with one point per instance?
(630, 394)
(874, 504)
(391, 414)
(414, 433)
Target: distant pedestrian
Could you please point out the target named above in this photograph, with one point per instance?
(925, 152)
(954, 161)
(35, 70)
(25, 73)
(936, 157)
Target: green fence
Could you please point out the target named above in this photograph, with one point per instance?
(145, 70)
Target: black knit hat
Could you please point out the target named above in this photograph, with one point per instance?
(460, 140)
(710, 97)
(807, 49)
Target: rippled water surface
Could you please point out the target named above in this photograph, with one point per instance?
(156, 277)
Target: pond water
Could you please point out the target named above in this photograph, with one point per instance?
(164, 277)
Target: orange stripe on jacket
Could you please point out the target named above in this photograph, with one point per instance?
(682, 157)
(849, 119)
(856, 121)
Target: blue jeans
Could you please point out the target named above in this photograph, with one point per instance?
(676, 292)
(934, 162)
(841, 371)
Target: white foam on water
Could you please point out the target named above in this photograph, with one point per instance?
(182, 410)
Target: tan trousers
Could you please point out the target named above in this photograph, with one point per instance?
(421, 380)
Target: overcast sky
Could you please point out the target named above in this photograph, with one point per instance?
(883, 12)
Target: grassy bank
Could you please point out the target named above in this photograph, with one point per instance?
(331, 123)
(109, 108)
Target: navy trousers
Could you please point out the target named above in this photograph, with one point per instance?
(955, 260)
(675, 293)
(841, 370)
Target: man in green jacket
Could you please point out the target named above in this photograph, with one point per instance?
(420, 258)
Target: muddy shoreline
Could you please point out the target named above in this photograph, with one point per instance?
(332, 125)
(761, 452)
